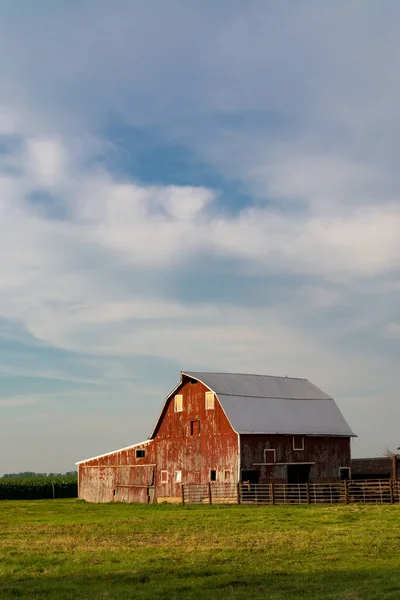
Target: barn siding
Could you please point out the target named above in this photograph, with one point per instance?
(215, 448)
(118, 476)
(328, 454)
(173, 449)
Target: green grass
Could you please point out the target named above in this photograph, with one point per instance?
(58, 549)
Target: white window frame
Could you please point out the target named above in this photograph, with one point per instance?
(265, 456)
(178, 399)
(140, 450)
(210, 400)
(216, 475)
(302, 441)
(164, 476)
(178, 476)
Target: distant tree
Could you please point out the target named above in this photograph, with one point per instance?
(32, 474)
(388, 452)
(23, 475)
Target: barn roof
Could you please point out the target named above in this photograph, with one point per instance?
(268, 404)
(381, 465)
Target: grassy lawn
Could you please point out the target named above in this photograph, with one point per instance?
(68, 549)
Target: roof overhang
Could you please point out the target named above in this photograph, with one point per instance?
(113, 452)
(340, 435)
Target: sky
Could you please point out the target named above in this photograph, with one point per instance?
(194, 185)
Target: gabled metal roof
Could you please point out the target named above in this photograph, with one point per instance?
(274, 405)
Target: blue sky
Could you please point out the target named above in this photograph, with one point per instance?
(194, 186)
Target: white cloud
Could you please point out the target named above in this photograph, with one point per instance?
(57, 298)
(45, 162)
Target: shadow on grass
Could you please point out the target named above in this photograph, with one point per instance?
(371, 584)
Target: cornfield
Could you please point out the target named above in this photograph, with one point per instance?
(38, 488)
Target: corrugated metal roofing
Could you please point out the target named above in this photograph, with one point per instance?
(258, 386)
(267, 404)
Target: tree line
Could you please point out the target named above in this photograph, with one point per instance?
(32, 474)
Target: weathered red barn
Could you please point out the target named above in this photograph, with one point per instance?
(225, 427)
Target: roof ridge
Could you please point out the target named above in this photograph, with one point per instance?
(272, 397)
(250, 374)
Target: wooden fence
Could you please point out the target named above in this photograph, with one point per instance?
(382, 491)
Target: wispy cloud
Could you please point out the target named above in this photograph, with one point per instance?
(17, 401)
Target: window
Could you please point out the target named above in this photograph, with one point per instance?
(298, 442)
(164, 476)
(178, 476)
(209, 400)
(227, 476)
(344, 473)
(195, 427)
(213, 475)
(178, 404)
(140, 453)
(269, 456)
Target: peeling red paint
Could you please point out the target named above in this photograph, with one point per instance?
(127, 478)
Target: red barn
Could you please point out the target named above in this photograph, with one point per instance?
(226, 427)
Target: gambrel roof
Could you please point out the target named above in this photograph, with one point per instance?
(273, 405)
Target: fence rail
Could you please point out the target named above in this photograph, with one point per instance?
(381, 491)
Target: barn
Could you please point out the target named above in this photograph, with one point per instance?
(226, 428)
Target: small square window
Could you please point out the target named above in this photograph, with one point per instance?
(178, 403)
(209, 400)
(195, 427)
(178, 476)
(164, 476)
(298, 442)
(269, 456)
(213, 475)
(140, 453)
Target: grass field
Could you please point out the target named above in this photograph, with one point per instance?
(68, 549)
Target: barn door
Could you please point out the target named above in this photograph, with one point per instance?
(298, 473)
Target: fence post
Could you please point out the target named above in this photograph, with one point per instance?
(272, 493)
(209, 493)
(238, 493)
(183, 494)
(346, 491)
(308, 493)
(54, 491)
(391, 491)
